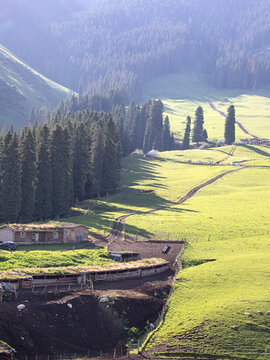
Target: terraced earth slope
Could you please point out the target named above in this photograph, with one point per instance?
(22, 88)
(183, 92)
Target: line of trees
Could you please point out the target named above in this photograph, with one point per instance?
(75, 155)
(46, 169)
(199, 133)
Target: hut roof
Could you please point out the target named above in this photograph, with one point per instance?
(51, 226)
(26, 272)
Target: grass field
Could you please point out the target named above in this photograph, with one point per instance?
(227, 222)
(226, 261)
(50, 259)
(183, 92)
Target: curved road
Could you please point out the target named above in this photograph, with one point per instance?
(116, 232)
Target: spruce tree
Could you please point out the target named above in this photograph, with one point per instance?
(166, 135)
(205, 135)
(197, 134)
(229, 133)
(58, 171)
(81, 160)
(97, 158)
(43, 206)
(67, 166)
(186, 140)
(11, 190)
(112, 156)
(28, 177)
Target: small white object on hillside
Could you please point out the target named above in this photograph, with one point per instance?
(69, 305)
(221, 140)
(152, 153)
(104, 299)
(247, 314)
(21, 307)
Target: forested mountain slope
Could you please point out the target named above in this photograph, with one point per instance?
(96, 45)
(22, 88)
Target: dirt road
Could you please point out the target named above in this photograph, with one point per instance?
(237, 122)
(115, 238)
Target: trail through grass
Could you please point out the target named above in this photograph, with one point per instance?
(183, 92)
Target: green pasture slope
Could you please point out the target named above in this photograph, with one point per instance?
(183, 92)
(226, 261)
(22, 88)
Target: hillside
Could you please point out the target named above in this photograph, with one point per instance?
(184, 91)
(22, 88)
(226, 257)
(102, 44)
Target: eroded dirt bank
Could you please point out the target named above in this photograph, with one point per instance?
(61, 323)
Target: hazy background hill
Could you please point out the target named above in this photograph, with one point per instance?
(92, 46)
(22, 89)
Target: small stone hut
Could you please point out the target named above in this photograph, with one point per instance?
(50, 233)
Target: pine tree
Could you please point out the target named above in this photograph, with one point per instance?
(43, 206)
(97, 158)
(112, 156)
(81, 161)
(67, 166)
(58, 171)
(229, 133)
(28, 177)
(186, 140)
(197, 134)
(166, 135)
(205, 135)
(11, 192)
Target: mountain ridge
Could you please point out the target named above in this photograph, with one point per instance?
(23, 88)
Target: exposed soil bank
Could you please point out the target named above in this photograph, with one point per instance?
(61, 324)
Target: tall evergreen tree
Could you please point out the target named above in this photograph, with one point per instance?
(166, 135)
(197, 134)
(112, 156)
(58, 164)
(28, 176)
(186, 140)
(81, 160)
(97, 158)
(229, 133)
(205, 135)
(11, 190)
(67, 165)
(43, 206)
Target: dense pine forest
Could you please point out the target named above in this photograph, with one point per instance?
(96, 46)
(45, 169)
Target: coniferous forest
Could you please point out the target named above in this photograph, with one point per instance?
(93, 47)
(45, 169)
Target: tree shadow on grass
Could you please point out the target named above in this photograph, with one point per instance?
(256, 150)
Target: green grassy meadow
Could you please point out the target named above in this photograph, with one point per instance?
(52, 259)
(183, 92)
(226, 261)
(226, 270)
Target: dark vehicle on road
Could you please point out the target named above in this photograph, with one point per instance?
(8, 245)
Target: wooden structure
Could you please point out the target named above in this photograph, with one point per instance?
(123, 256)
(52, 233)
(88, 275)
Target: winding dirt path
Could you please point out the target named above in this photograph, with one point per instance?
(237, 122)
(116, 233)
(227, 156)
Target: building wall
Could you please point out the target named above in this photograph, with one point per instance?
(42, 237)
(76, 234)
(6, 234)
